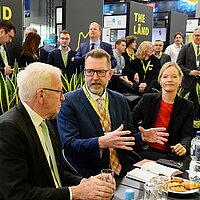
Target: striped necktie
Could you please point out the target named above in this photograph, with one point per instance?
(50, 150)
(105, 123)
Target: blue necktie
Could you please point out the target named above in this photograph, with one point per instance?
(92, 46)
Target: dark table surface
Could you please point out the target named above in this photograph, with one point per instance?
(138, 187)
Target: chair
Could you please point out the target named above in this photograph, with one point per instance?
(69, 165)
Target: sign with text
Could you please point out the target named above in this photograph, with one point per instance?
(141, 21)
(115, 22)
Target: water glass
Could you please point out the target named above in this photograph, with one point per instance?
(107, 175)
(161, 183)
(150, 191)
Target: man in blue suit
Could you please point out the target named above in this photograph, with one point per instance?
(63, 57)
(86, 142)
(95, 31)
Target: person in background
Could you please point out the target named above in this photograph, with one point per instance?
(189, 61)
(95, 31)
(129, 54)
(95, 125)
(63, 57)
(122, 84)
(7, 33)
(29, 29)
(173, 49)
(166, 109)
(158, 52)
(144, 69)
(30, 156)
(29, 50)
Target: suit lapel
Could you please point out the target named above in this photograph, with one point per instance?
(33, 133)
(60, 60)
(156, 105)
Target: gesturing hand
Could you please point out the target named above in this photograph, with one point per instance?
(154, 135)
(117, 139)
(178, 149)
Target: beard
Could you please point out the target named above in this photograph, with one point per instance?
(97, 88)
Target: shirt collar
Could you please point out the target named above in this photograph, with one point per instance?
(36, 119)
(94, 96)
(68, 49)
(97, 43)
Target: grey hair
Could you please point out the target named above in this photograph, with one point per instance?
(35, 76)
(196, 29)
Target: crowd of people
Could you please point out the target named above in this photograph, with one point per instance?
(96, 128)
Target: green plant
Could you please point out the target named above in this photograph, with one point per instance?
(76, 81)
(8, 91)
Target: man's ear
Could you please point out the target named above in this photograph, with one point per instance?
(111, 72)
(40, 95)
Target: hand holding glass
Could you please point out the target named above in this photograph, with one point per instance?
(107, 175)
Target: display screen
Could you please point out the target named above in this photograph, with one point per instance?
(117, 34)
(118, 8)
(159, 34)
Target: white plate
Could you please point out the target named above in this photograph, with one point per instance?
(186, 192)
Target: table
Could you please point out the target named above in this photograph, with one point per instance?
(138, 187)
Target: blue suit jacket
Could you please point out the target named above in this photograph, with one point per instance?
(85, 48)
(55, 59)
(79, 128)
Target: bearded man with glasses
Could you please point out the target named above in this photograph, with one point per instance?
(95, 125)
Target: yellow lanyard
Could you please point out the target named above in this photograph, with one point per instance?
(145, 68)
(64, 57)
(3, 55)
(132, 56)
(92, 102)
(195, 50)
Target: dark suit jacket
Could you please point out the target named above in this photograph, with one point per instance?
(2, 65)
(55, 59)
(25, 173)
(164, 58)
(85, 48)
(187, 62)
(79, 128)
(180, 127)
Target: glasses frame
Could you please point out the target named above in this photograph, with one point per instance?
(97, 72)
(53, 90)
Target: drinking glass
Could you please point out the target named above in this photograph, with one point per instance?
(161, 183)
(150, 191)
(107, 175)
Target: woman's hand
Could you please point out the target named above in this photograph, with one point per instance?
(178, 149)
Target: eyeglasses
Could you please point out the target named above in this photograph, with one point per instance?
(160, 45)
(60, 91)
(100, 73)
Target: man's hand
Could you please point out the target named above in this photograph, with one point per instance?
(194, 73)
(8, 70)
(136, 78)
(117, 139)
(178, 149)
(93, 188)
(155, 135)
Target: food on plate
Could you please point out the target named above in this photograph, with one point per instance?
(181, 185)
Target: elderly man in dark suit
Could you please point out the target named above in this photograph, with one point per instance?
(63, 57)
(95, 31)
(95, 124)
(7, 32)
(30, 159)
(189, 61)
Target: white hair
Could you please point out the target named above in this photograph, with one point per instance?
(35, 76)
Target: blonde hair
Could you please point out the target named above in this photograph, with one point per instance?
(141, 51)
(167, 65)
